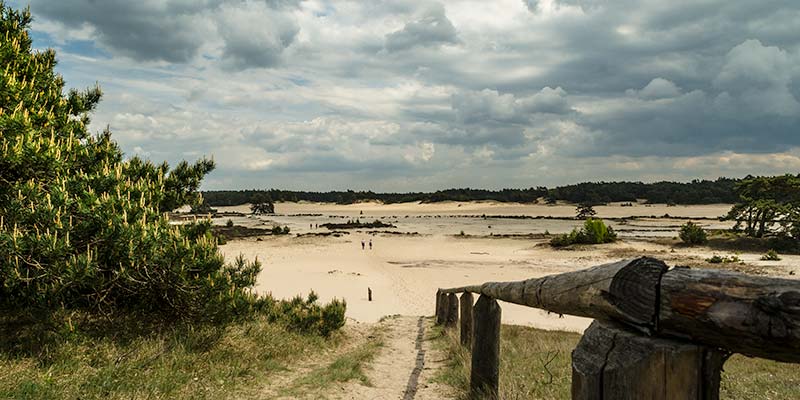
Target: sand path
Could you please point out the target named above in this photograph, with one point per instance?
(404, 368)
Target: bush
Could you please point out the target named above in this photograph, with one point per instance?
(307, 315)
(771, 255)
(715, 259)
(229, 224)
(594, 231)
(277, 230)
(693, 234)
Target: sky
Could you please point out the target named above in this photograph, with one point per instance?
(411, 95)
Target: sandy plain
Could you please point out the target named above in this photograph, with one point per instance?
(404, 270)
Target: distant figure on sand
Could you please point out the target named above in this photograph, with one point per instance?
(362, 244)
(370, 244)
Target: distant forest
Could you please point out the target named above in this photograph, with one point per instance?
(592, 193)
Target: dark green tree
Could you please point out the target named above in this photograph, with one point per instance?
(81, 228)
(262, 204)
(767, 205)
(584, 211)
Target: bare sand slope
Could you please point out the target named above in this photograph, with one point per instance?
(404, 272)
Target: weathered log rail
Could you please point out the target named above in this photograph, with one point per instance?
(660, 332)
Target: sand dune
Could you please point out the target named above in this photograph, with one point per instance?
(404, 271)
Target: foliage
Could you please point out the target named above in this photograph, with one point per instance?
(693, 234)
(277, 230)
(583, 211)
(229, 223)
(262, 204)
(716, 259)
(768, 206)
(306, 315)
(83, 229)
(202, 208)
(694, 192)
(594, 231)
(771, 255)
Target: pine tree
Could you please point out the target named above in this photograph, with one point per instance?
(81, 228)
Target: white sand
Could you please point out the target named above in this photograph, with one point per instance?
(405, 271)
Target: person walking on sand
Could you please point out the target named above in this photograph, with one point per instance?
(370, 244)
(362, 244)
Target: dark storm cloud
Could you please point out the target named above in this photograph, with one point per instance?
(141, 30)
(254, 32)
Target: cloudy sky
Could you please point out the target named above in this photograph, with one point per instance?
(420, 95)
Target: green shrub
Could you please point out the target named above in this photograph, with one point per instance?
(771, 255)
(693, 234)
(307, 315)
(229, 224)
(278, 230)
(715, 259)
(594, 231)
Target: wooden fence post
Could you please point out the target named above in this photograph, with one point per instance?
(452, 310)
(438, 305)
(485, 376)
(466, 319)
(441, 308)
(611, 362)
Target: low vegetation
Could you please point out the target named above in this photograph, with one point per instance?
(771, 255)
(136, 360)
(277, 230)
(536, 364)
(346, 367)
(716, 259)
(594, 231)
(693, 234)
(357, 224)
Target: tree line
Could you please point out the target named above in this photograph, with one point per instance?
(721, 190)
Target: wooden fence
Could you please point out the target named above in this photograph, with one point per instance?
(659, 332)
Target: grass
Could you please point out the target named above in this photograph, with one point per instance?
(536, 364)
(178, 362)
(756, 379)
(344, 368)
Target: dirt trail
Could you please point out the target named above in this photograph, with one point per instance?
(404, 368)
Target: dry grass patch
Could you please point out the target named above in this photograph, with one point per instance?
(536, 364)
(178, 363)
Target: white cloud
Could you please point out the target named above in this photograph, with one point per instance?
(415, 94)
